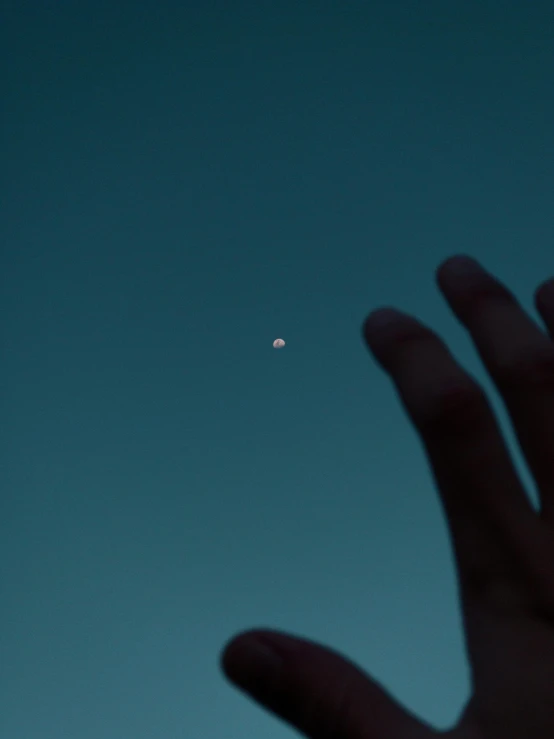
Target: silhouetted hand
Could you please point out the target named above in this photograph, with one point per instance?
(504, 550)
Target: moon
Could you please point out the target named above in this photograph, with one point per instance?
(278, 344)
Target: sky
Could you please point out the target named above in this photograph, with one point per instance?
(183, 183)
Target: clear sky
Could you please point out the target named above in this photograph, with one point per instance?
(182, 183)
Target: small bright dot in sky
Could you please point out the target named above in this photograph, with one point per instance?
(278, 343)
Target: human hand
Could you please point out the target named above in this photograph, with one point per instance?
(504, 550)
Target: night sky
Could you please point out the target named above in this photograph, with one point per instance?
(182, 183)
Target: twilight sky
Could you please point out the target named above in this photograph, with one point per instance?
(182, 183)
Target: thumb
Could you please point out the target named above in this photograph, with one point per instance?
(315, 689)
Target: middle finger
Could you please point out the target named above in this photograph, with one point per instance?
(518, 356)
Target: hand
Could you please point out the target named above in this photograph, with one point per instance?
(504, 550)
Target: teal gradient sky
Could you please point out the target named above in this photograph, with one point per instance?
(184, 182)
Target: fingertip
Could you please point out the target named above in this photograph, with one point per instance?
(457, 266)
(267, 638)
(380, 318)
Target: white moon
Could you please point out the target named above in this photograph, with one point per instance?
(278, 343)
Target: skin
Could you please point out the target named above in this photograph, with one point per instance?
(503, 548)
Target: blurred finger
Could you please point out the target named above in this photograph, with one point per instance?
(315, 689)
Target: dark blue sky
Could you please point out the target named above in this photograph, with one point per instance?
(182, 183)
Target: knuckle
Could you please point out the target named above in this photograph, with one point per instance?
(331, 711)
(534, 369)
(454, 408)
(480, 295)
